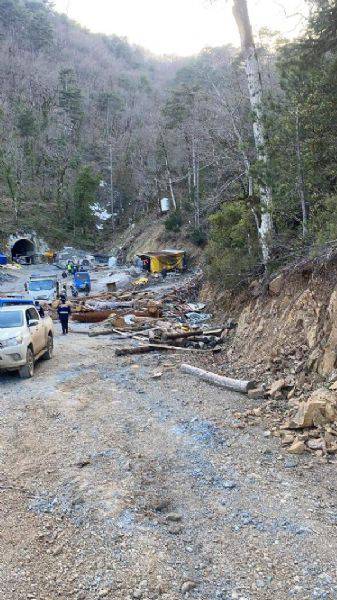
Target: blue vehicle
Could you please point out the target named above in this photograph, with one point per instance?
(15, 301)
(82, 281)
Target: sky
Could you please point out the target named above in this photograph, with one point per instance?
(180, 27)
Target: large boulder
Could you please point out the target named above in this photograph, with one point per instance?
(319, 409)
(276, 285)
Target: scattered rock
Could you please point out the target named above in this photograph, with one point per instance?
(256, 393)
(188, 586)
(83, 463)
(174, 517)
(297, 447)
(175, 529)
(317, 444)
(157, 375)
(287, 439)
(291, 394)
(229, 485)
(58, 550)
(103, 593)
(276, 387)
(319, 409)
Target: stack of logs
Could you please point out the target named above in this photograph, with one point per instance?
(175, 340)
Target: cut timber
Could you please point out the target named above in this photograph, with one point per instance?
(101, 332)
(137, 350)
(236, 385)
(215, 332)
(182, 334)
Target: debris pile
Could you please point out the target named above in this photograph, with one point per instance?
(312, 424)
(168, 318)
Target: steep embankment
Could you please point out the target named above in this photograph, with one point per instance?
(292, 330)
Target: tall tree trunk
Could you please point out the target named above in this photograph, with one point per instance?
(196, 192)
(265, 229)
(112, 202)
(300, 177)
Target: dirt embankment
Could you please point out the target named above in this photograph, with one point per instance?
(289, 331)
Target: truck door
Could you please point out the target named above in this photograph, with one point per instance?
(37, 331)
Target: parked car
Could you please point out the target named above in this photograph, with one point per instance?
(24, 337)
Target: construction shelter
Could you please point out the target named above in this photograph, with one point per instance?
(156, 262)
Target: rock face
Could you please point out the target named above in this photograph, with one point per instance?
(318, 410)
(328, 359)
(291, 330)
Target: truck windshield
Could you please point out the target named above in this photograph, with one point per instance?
(11, 319)
(41, 285)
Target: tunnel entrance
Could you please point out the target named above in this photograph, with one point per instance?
(24, 251)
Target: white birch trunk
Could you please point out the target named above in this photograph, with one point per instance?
(112, 203)
(241, 15)
(196, 193)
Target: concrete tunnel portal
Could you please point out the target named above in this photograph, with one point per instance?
(24, 249)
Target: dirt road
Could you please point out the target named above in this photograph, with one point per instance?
(118, 485)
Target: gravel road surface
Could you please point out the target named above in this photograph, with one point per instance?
(120, 482)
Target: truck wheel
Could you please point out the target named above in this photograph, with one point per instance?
(50, 348)
(27, 371)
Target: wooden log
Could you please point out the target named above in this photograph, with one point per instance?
(136, 350)
(236, 385)
(101, 332)
(215, 332)
(181, 334)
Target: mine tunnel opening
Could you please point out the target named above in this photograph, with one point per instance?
(24, 251)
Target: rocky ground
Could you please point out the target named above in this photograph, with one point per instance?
(123, 478)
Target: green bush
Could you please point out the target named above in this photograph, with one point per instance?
(199, 237)
(233, 251)
(174, 222)
(323, 223)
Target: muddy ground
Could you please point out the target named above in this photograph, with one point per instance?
(115, 484)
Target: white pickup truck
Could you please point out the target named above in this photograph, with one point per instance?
(24, 338)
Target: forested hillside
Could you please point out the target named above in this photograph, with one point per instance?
(91, 125)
